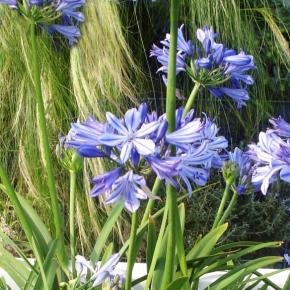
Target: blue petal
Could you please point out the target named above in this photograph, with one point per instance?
(116, 124)
(90, 152)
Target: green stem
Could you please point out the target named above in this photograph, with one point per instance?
(150, 203)
(16, 204)
(73, 177)
(222, 205)
(191, 99)
(58, 223)
(171, 196)
(132, 241)
(229, 208)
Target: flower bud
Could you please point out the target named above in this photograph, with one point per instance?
(230, 172)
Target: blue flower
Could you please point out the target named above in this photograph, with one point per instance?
(193, 165)
(287, 259)
(220, 69)
(129, 187)
(271, 155)
(244, 165)
(64, 13)
(131, 133)
(84, 137)
(72, 33)
(103, 183)
(281, 127)
(183, 46)
(11, 3)
(162, 55)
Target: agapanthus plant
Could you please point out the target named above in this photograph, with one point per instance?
(271, 155)
(62, 16)
(209, 64)
(137, 145)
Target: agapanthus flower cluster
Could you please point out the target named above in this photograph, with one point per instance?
(271, 155)
(222, 70)
(62, 16)
(137, 145)
(96, 274)
(243, 165)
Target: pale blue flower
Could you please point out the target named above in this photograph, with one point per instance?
(129, 187)
(131, 133)
(281, 127)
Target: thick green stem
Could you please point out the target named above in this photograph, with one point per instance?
(229, 208)
(171, 198)
(222, 205)
(16, 204)
(150, 203)
(58, 222)
(132, 241)
(191, 99)
(72, 198)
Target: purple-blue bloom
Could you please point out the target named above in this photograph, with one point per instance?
(131, 133)
(281, 127)
(244, 165)
(11, 3)
(138, 143)
(66, 16)
(220, 69)
(129, 187)
(272, 157)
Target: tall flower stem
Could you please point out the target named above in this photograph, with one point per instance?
(150, 203)
(73, 177)
(132, 241)
(58, 222)
(191, 98)
(171, 196)
(229, 208)
(222, 205)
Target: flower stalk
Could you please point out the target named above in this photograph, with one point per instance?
(222, 205)
(73, 177)
(191, 98)
(131, 253)
(229, 208)
(58, 223)
(171, 196)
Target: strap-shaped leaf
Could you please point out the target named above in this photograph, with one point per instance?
(177, 284)
(106, 230)
(242, 271)
(48, 268)
(15, 269)
(151, 242)
(207, 243)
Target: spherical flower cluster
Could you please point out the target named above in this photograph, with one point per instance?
(62, 16)
(137, 145)
(220, 69)
(96, 275)
(271, 155)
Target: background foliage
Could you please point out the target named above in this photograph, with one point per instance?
(110, 69)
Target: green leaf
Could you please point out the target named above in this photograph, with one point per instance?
(287, 284)
(39, 229)
(106, 230)
(177, 284)
(108, 252)
(179, 241)
(15, 269)
(151, 242)
(48, 268)
(207, 243)
(5, 240)
(241, 271)
(209, 266)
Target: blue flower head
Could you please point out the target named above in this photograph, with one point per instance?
(138, 145)
(271, 155)
(65, 14)
(222, 70)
